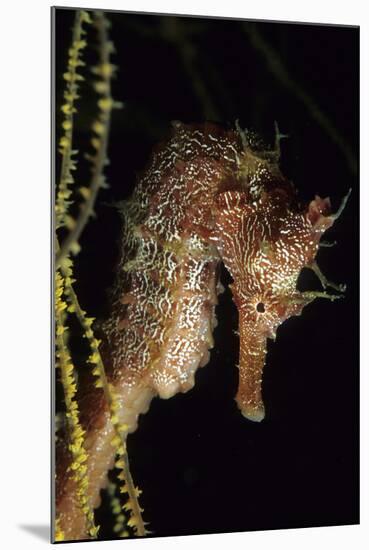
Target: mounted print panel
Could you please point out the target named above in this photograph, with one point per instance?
(206, 275)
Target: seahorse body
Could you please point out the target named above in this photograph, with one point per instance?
(208, 196)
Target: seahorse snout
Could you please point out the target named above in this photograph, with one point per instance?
(254, 414)
(251, 364)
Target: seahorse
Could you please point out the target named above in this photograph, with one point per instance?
(208, 196)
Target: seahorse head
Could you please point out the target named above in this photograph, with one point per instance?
(265, 241)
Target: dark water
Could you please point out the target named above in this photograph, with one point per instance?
(203, 468)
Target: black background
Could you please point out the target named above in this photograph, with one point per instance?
(203, 467)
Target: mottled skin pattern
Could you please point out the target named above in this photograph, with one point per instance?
(207, 196)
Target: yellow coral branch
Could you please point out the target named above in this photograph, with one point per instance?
(135, 522)
(119, 440)
(99, 142)
(116, 508)
(72, 78)
(101, 126)
(75, 431)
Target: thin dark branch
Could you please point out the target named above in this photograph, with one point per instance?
(278, 69)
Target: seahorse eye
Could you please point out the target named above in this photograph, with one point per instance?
(260, 307)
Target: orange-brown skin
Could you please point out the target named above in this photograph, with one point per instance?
(208, 196)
